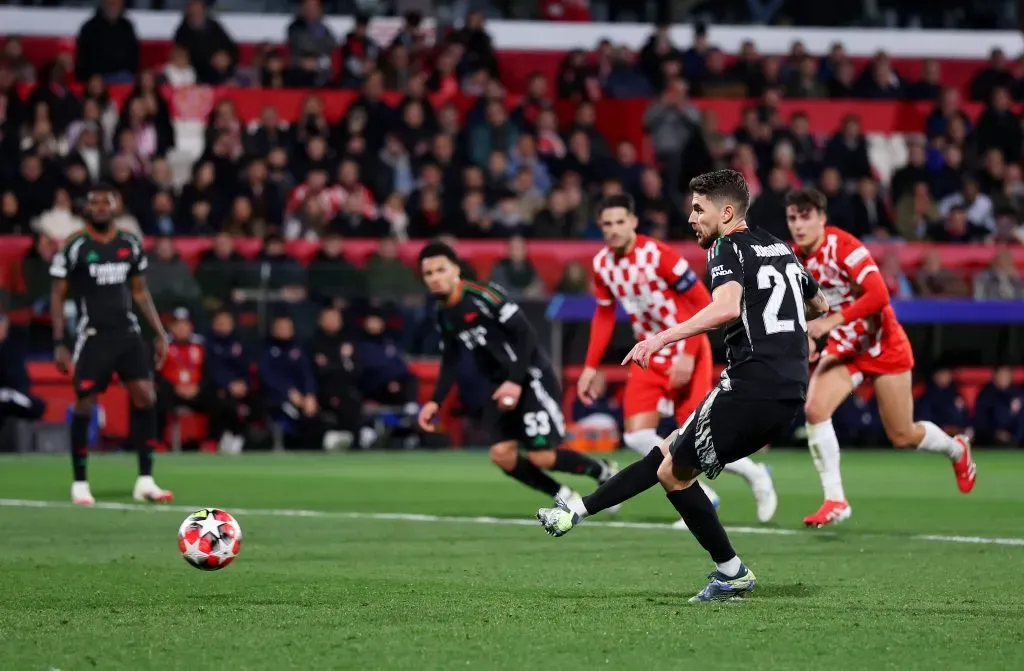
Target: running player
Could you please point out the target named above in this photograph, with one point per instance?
(103, 268)
(758, 291)
(658, 289)
(525, 411)
(864, 341)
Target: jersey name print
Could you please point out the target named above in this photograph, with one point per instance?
(766, 347)
(98, 275)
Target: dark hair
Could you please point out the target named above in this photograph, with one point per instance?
(807, 199)
(623, 200)
(100, 188)
(719, 185)
(437, 248)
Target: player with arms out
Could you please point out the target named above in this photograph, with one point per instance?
(864, 341)
(525, 413)
(102, 270)
(758, 294)
(658, 290)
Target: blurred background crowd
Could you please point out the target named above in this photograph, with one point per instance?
(435, 142)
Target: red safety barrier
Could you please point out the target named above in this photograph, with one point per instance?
(516, 65)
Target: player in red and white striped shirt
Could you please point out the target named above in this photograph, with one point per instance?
(658, 289)
(864, 341)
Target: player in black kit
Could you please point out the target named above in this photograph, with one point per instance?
(102, 269)
(763, 297)
(526, 411)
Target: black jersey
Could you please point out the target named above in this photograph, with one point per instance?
(98, 276)
(494, 331)
(767, 346)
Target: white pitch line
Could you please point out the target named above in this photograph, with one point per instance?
(505, 521)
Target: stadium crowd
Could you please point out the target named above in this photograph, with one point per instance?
(415, 170)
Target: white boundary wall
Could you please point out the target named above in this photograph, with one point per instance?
(549, 36)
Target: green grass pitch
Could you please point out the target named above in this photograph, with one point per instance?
(921, 577)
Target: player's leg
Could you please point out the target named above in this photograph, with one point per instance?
(506, 456)
(896, 407)
(829, 386)
(645, 391)
(93, 368)
(135, 371)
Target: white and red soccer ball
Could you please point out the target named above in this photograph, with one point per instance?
(210, 539)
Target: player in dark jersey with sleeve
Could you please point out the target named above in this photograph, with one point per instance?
(101, 269)
(525, 409)
(762, 297)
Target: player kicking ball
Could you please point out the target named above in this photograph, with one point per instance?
(102, 269)
(658, 289)
(524, 410)
(758, 294)
(864, 341)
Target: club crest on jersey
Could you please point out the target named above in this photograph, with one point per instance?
(92, 257)
(109, 273)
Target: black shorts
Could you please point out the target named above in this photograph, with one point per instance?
(537, 422)
(99, 355)
(727, 426)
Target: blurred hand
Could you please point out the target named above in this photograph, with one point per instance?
(238, 389)
(62, 355)
(428, 413)
(586, 389)
(507, 395)
(295, 398)
(309, 406)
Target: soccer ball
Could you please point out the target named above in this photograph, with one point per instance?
(210, 539)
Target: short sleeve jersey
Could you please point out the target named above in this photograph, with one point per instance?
(98, 276)
(766, 346)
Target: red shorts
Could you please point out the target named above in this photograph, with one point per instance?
(649, 390)
(894, 356)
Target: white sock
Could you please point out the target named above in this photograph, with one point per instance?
(641, 441)
(730, 568)
(824, 446)
(746, 468)
(564, 494)
(575, 504)
(937, 440)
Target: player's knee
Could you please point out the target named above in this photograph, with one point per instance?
(903, 437)
(815, 411)
(503, 455)
(143, 397)
(667, 476)
(641, 441)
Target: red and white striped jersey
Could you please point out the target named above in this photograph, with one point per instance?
(840, 266)
(649, 282)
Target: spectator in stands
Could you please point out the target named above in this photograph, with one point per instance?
(976, 205)
(12, 220)
(178, 70)
(804, 82)
(916, 212)
(942, 403)
(15, 397)
(769, 208)
(22, 69)
(895, 279)
(929, 86)
(311, 43)
(516, 273)
(107, 45)
(913, 171)
(994, 75)
(998, 419)
(277, 272)
(34, 189)
(672, 128)
(955, 228)
(1000, 281)
(999, 127)
(205, 39)
(333, 279)
(232, 401)
(936, 281)
(388, 278)
(947, 109)
(574, 281)
(180, 381)
(288, 385)
(840, 205)
(879, 81)
(949, 178)
(359, 54)
(337, 379)
(496, 134)
(384, 374)
(219, 272)
(847, 151)
(623, 80)
(169, 278)
(870, 215)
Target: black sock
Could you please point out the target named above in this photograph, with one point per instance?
(700, 516)
(525, 472)
(143, 437)
(569, 461)
(80, 445)
(634, 479)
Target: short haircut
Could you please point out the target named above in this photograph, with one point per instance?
(807, 199)
(438, 248)
(623, 200)
(723, 185)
